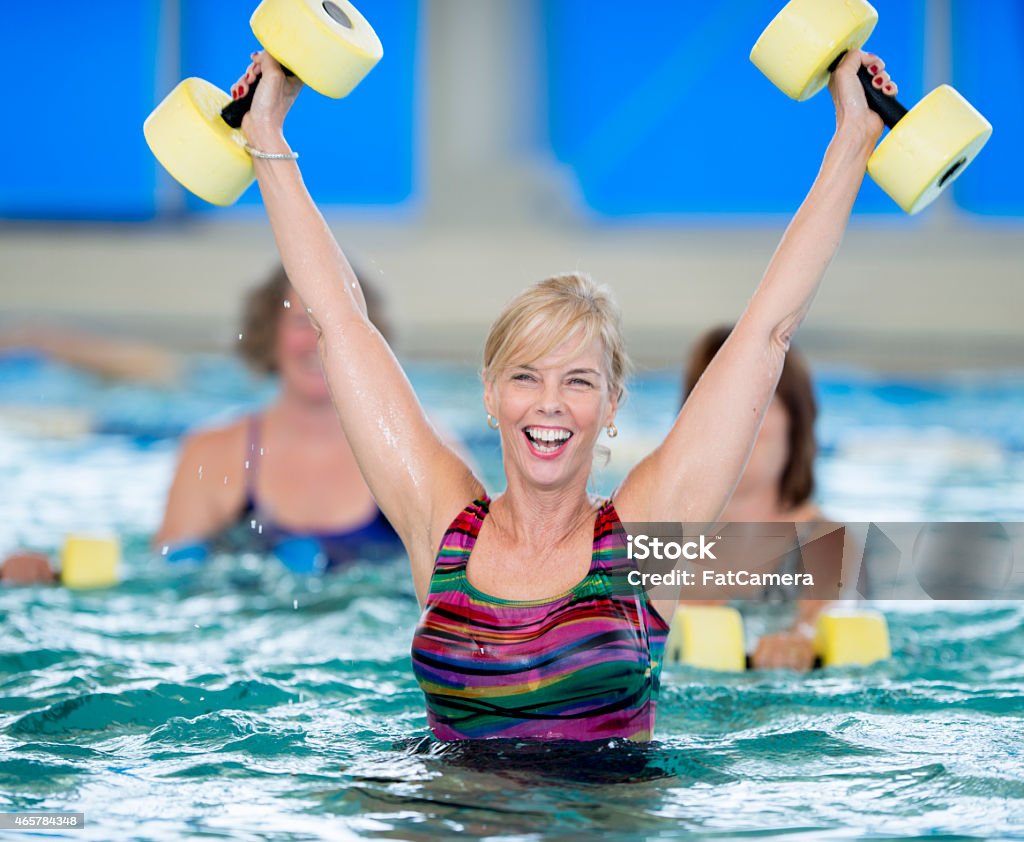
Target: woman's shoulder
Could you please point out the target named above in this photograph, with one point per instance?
(806, 512)
(219, 444)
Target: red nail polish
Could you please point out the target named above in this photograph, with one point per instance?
(873, 68)
(888, 88)
(877, 81)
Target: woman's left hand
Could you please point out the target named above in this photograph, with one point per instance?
(852, 111)
(263, 124)
(784, 650)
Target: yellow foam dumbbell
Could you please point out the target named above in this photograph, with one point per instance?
(711, 637)
(90, 562)
(707, 637)
(927, 147)
(852, 638)
(195, 132)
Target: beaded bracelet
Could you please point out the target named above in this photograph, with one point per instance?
(271, 156)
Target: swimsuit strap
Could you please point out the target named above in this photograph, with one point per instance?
(253, 452)
(607, 535)
(460, 537)
(463, 532)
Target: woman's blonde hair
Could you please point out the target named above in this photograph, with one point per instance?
(544, 316)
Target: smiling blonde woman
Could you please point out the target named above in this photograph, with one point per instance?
(529, 627)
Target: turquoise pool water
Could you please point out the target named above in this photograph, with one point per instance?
(237, 701)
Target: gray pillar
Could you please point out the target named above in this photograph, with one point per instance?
(484, 105)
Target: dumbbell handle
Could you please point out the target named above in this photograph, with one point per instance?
(749, 661)
(884, 106)
(234, 111)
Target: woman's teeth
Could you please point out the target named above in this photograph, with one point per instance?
(547, 440)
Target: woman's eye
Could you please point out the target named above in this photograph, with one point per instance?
(523, 377)
(579, 381)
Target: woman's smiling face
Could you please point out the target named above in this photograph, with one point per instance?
(551, 412)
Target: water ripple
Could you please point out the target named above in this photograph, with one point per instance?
(142, 708)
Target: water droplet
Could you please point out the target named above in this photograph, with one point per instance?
(195, 625)
(164, 549)
(225, 479)
(239, 337)
(247, 464)
(295, 605)
(287, 304)
(252, 523)
(260, 529)
(200, 472)
(261, 451)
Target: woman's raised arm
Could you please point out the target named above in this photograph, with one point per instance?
(417, 480)
(692, 474)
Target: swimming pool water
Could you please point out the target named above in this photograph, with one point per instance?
(238, 701)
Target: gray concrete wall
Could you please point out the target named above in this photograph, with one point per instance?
(930, 299)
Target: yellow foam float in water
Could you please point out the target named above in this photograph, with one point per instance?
(852, 638)
(708, 637)
(711, 637)
(90, 561)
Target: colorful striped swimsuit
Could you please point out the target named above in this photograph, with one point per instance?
(582, 666)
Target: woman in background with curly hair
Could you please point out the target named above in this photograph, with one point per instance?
(285, 474)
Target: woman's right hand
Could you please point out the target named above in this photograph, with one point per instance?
(263, 124)
(26, 569)
(784, 650)
(852, 111)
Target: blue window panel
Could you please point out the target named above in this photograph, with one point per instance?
(80, 87)
(988, 69)
(658, 110)
(355, 151)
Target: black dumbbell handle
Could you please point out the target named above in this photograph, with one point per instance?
(749, 662)
(884, 106)
(234, 111)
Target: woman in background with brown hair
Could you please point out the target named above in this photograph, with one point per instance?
(776, 484)
(778, 480)
(281, 480)
(286, 474)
